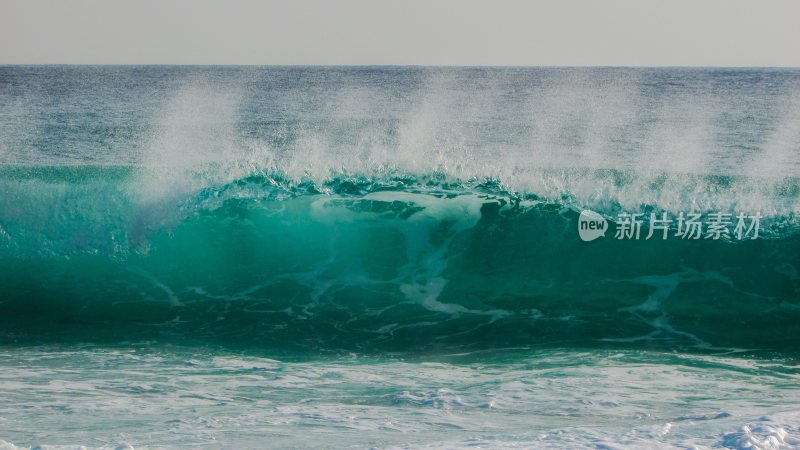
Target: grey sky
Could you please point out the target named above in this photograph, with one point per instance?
(433, 32)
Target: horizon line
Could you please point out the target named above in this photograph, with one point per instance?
(510, 66)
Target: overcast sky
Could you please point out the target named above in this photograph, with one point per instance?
(427, 32)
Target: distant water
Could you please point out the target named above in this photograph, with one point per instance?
(389, 257)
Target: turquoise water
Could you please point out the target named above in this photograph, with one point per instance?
(389, 257)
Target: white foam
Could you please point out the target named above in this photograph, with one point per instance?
(568, 399)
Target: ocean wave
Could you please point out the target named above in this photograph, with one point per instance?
(393, 262)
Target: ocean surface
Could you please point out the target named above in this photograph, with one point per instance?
(389, 257)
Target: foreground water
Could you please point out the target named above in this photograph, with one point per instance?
(331, 257)
(155, 398)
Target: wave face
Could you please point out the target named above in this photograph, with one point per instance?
(400, 264)
(395, 210)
